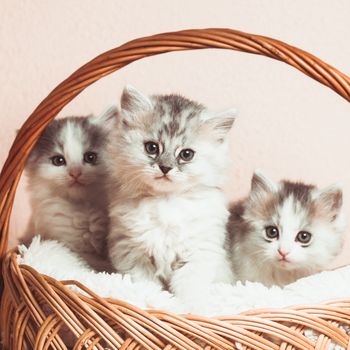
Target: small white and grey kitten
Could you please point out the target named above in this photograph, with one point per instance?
(284, 231)
(168, 213)
(66, 180)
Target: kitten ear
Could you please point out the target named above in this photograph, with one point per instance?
(221, 123)
(330, 199)
(107, 118)
(262, 184)
(134, 101)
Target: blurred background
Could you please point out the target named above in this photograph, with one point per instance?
(289, 126)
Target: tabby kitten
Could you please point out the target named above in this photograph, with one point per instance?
(168, 213)
(284, 231)
(66, 174)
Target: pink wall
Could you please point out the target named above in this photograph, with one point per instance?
(289, 125)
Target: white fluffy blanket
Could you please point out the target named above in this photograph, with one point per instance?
(54, 259)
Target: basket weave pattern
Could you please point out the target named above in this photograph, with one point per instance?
(38, 312)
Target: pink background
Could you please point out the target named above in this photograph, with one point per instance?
(289, 125)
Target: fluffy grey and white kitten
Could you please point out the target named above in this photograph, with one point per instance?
(284, 231)
(168, 214)
(66, 181)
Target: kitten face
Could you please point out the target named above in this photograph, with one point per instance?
(69, 157)
(169, 143)
(294, 226)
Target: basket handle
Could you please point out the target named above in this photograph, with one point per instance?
(119, 57)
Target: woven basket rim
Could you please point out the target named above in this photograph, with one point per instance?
(241, 325)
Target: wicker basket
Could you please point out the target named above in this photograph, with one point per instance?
(36, 308)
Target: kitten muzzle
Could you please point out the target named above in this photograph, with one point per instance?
(163, 177)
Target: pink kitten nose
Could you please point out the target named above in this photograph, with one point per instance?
(75, 173)
(283, 253)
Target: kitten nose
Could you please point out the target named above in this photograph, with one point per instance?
(283, 253)
(164, 169)
(75, 172)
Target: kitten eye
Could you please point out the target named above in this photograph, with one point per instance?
(271, 232)
(303, 237)
(58, 160)
(152, 148)
(90, 157)
(186, 154)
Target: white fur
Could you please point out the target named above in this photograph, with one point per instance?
(256, 259)
(76, 215)
(168, 230)
(80, 226)
(188, 226)
(54, 259)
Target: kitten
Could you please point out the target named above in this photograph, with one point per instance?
(168, 213)
(284, 231)
(66, 174)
